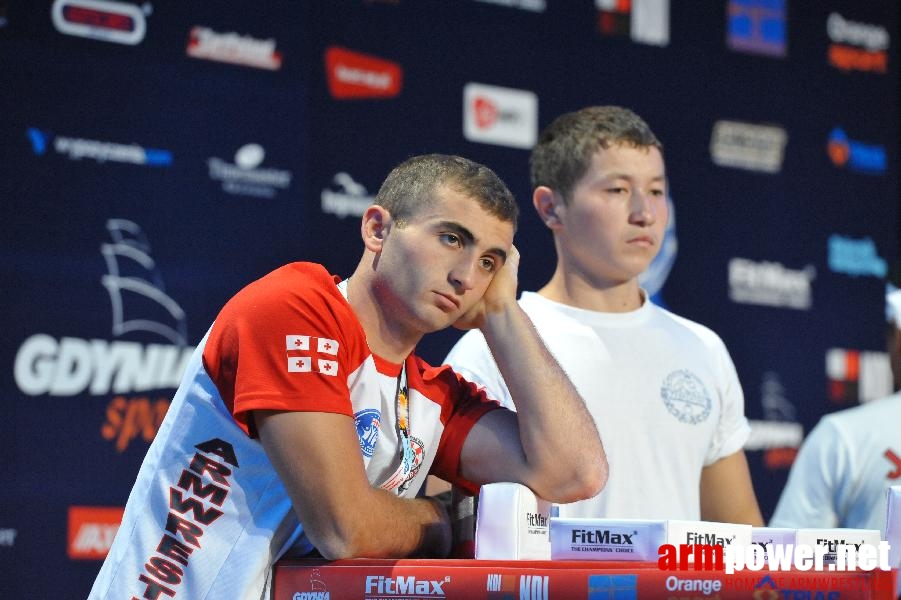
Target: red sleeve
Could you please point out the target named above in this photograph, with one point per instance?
(466, 404)
(287, 341)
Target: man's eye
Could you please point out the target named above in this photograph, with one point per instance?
(488, 264)
(451, 238)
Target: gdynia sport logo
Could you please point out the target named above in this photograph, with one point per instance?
(730, 558)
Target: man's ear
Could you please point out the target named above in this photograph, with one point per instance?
(548, 204)
(374, 227)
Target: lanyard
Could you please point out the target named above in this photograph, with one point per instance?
(402, 411)
(401, 479)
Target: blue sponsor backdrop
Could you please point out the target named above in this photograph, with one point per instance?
(155, 157)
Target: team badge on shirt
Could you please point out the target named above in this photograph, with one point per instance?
(307, 354)
(369, 422)
(410, 461)
(686, 397)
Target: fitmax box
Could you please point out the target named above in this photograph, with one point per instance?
(636, 539)
(831, 539)
(511, 523)
(777, 536)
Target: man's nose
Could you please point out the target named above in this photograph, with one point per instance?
(462, 276)
(642, 209)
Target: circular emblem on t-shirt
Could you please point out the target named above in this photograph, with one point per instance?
(410, 471)
(686, 397)
(368, 423)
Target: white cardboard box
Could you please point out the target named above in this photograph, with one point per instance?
(892, 526)
(635, 539)
(832, 538)
(763, 536)
(511, 524)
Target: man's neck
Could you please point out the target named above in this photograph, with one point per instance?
(577, 291)
(383, 337)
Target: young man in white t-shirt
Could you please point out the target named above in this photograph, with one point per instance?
(851, 457)
(662, 389)
(304, 421)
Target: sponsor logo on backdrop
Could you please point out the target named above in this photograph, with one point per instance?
(353, 75)
(103, 20)
(530, 5)
(245, 177)
(233, 48)
(855, 257)
(603, 587)
(643, 21)
(8, 537)
(779, 434)
(500, 115)
(857, 376)
(858, 156)
(346, 197)
(132, 276)
(407, 587)
(43, 142)
(748, 146)
(757, 27)
(769, 283)
(68, 366)
(91, 531)
(857, 46)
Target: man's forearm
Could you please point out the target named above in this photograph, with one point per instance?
(388, 527)
(550, 412)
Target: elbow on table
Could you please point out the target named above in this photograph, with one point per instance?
(340, 549)
(586, 482)
(343, 540)
(336, 549)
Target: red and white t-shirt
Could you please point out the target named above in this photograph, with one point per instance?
(208, 516)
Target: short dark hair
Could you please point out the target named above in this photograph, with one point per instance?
(566, 146)
(410, 185)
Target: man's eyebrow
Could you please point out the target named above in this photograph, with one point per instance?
(619, 175)
(467, 235)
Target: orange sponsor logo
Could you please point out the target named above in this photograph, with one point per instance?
(779, 458)
(91, 531)
(848, 58)
(129, 418)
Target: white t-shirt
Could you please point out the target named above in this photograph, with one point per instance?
(843, 468)
(208, 515)
(663, 392)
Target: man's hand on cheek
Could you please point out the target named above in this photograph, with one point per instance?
(500, 292)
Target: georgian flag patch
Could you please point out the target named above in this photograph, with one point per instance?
(307, 354)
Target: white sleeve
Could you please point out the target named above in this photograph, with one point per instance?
(471, 358)
(733, 429)
(808, 499)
